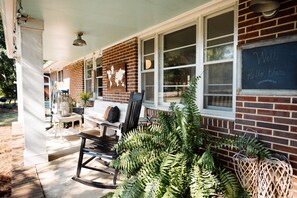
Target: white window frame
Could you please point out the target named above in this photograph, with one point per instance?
(161, 68)
(197, 17)
(142, 70)
(216, 112)
(85, 72)
(96, 85)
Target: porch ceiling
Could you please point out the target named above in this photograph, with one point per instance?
(103, 22)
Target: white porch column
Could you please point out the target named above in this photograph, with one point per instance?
(31, 91)
(19, 90)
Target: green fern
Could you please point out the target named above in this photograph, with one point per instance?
(163, 160)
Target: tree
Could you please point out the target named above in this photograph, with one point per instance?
(7, 69)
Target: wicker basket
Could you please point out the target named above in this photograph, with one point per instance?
(275, 178)
(247, 170)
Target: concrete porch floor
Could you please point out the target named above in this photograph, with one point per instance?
(53, 179)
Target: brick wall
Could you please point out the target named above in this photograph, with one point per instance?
(73, 79)
(274, 118)
(253, 27)
(75, 72)
(124, 52)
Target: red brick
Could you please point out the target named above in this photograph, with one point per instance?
(293, 158)
(285, 121)
(277, 29)
(246, 98)
(273, 126)
(261, 26)
(242, 6)
(288, 18)
(245, 122)
(286, 107)
(261, 38)
(286, 149)
(258, 105)
(273, 139)
(248, 35)
(258, 130)
(283, 14)
(239, 104)
(255, 117)
(246, 110)
(238, 127)
(252, 15)
(285, 134)
(273, 113)
(242, 12)
(241, 31)
(238, 115)
(274, 99)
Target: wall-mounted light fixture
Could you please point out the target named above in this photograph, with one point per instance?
(268, 8)
(79, 41)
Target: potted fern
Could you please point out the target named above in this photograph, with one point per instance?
(173, 158)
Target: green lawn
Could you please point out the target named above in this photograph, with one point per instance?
(8, 117)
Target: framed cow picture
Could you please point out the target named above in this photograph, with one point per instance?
(116, 77)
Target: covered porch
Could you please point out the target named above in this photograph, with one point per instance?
(162, 45)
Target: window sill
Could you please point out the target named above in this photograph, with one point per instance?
(204, 113)
(218, 114)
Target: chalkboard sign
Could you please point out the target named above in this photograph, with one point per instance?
(270, 67)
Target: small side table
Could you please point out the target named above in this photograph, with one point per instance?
(72, 118)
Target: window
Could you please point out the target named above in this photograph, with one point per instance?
(60, 76)
(170, 60)
(218, 61)
(88, 75)
(179, 63)
(147, 70)
(99, 78)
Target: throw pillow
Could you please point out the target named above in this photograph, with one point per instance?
(114, 115)
(106, 112)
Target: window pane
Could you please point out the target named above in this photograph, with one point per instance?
(148, 46)
(88, 86)
(100, 92)
(220, 73)
(89, 74)
(219, 53)
(89, 64)
(220, 25)
(98, 61)
(99, 71)
(180, 76)
(149, 62)
(218, 86)
(218, 102)
(99, 82)
(173, 94)
(180, 57)
(149, 94)
(219, 41)
(148, 85)
(148, 78)
(180, 38)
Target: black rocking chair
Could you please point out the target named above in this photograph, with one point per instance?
(101, 147)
